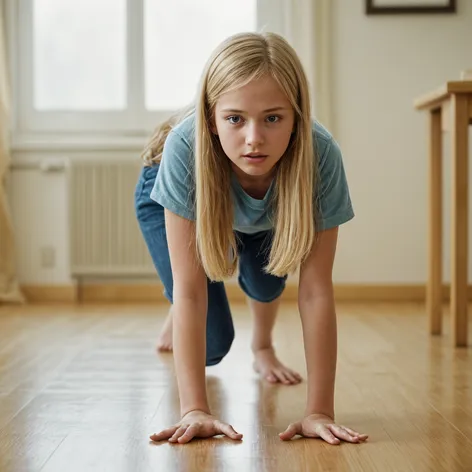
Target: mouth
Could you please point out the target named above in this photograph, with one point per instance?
(255, 156)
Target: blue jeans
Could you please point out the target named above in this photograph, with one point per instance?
(252, 280)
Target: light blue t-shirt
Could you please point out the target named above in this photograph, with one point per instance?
(174, 187)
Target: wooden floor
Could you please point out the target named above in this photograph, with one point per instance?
(81, 389)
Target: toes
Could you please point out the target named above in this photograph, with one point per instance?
(288, 377)
(164, 347)
(272, 378)
(282, 377)
(285, 377)
(297, 378)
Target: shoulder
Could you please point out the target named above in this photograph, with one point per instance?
(174, 183)
(332, 190)
(323, 141)
(184, 132)
(179, 146)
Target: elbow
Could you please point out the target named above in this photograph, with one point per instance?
(316, 293)
(190, 295)
(190, 288)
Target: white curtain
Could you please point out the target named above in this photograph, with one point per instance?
(9, 287)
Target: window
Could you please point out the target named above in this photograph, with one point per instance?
(79, 55)
(176, 45)
(118, 66)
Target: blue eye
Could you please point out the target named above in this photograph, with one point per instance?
(234, 119)
(273, 118)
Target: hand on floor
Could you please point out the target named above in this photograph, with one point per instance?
(322, 426)
(196, 424)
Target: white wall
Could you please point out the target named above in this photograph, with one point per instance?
(380, 64)
(39, 211)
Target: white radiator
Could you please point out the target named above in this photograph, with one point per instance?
(105, 239)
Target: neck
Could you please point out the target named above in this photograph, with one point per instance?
(255, 186)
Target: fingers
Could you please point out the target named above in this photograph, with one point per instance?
(186, 432)
(291, 431)
(180, 432)
(331, 433)
(328, 436)
(189, 433)
(164, 434)
(228, 430)
(342, 433)
(362, 437)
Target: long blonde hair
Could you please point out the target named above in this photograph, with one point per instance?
(235, 62)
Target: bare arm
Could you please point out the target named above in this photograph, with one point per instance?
(189, 313)
(317, 310)
(189, 338)
(318, 315)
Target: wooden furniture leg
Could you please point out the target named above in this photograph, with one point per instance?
(459, 218)
(434, 286)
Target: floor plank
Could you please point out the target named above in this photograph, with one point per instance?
(81, 388)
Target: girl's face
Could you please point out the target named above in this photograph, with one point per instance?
(254, 124)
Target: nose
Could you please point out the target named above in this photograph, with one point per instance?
(254, 135)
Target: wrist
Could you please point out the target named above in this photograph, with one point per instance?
(320, 413)
(202, 409)
(320, 402)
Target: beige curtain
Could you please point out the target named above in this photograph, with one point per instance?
(9, 288)
(309, 30)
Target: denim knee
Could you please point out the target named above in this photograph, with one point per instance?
(265, 289)
(219, 352)
(253, 257)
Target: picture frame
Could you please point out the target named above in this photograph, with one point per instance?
(395, 7)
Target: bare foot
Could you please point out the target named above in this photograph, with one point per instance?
(164, 342)
(272, 370)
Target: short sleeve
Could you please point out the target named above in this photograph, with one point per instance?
(334, 201)
(174, 184)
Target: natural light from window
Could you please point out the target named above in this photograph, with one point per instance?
(179, 37)
(79, 54)
(80, 51)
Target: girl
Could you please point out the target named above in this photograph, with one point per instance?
(246, 179)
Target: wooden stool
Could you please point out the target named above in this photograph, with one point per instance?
(450, 107)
